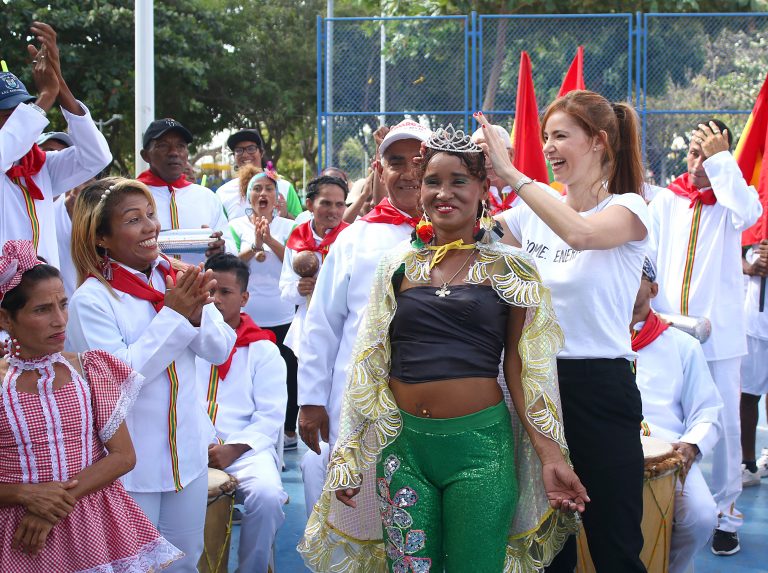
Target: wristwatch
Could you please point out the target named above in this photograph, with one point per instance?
(522, 181)
(38, 109)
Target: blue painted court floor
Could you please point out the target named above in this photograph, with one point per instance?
(753, 536)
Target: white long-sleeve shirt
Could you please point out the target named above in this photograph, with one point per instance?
(289, 293)
(61, 171)
(64, 241)
(252, 398)
(196, 206)
(150, 341)
(336, 310)
(680, 400)
(716, 287)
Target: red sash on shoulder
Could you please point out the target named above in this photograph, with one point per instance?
(152, 180)
(505, 204)
(246, 333)
(302, 238)
(127, 282)
(651, 330)
(30, 165)
(682, 187)
(384, 212)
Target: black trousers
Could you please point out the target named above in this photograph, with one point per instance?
(602, 412)
(292, 409)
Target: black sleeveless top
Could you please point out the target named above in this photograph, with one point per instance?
(438, 338)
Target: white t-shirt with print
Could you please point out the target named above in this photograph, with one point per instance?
(593, 292)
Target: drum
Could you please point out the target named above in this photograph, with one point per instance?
(218, 522)
(662, 465)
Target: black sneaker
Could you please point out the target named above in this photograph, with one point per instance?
(725, 542)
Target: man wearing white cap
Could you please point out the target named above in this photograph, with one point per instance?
(501, 196)
(341, 296)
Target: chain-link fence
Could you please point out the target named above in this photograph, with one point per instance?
(694, 67)
(676, 68)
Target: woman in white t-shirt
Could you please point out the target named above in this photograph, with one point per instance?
(260, 238)
(589, 247)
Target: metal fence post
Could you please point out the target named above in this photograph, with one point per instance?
(319, 72)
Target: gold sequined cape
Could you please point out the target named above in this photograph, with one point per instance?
(341, 539)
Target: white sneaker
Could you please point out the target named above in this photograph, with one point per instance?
(749, 478)
(762, 463)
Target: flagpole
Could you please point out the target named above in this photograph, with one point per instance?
(762, 279)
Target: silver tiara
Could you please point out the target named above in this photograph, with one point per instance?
(449, 139)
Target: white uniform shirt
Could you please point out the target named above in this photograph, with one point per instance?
(149, 341)
(499, 196)
(264, 306)
(716, 288)
(251, 399)
(593, 292)
(61, 171)
(336, 311)
(64, 241)
(196, 206)
(234, 203)
(680, 400)
(289, 293)
(757, 322)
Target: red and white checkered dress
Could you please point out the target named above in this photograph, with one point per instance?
(53, 435)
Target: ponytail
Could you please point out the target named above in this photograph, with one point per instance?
(625, 159)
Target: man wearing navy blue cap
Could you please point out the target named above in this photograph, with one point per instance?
(247, 148)
(181, 204)
(29, 177)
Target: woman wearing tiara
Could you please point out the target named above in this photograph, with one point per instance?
(436, 472)
(133, 304)
(63, 439)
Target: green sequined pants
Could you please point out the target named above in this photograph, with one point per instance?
(447, 490)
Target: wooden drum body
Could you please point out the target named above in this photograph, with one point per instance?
(218, 522)
(662, 465)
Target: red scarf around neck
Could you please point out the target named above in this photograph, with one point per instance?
(302, 238)
(683, 187)
(127, 282)
(246, 333)
(505, 204)
(152, 180)
(30, 165)
(651, 330)
(384, 212)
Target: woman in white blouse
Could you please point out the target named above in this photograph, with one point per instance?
(260, 238)
(589, 247)
(132, 304)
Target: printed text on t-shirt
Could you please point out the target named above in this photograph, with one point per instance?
(540, 250)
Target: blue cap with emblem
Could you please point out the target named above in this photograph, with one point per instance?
(12, 91)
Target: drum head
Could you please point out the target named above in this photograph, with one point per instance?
(219, 481)
(655, 450)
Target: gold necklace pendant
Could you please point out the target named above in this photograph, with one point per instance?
(443, 291)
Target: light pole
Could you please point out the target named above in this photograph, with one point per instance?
(144, 72)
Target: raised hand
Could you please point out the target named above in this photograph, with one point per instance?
(710, 139)
(46, 80)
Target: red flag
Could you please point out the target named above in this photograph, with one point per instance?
(574, 79)
(529, 155)
(750, 154)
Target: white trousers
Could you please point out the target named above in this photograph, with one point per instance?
(726, 455)
(260, 490)
(313, 468)
(180, 518)
(695, 518)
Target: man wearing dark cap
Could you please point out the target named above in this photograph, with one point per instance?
(180, 203)
(247, 146)
(29, 177)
